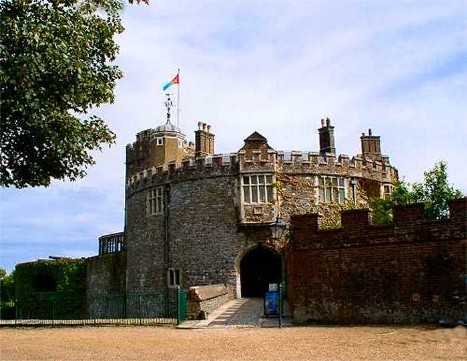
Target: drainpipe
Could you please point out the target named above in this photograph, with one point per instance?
(353, 183)
(167, 230)
(167, 243)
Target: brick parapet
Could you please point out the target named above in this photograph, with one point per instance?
(410, 271)
(409, 226)
(304, 223)
(458, 213)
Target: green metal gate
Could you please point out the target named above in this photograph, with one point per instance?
(181, 305)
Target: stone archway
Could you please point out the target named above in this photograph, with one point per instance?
(258, 268)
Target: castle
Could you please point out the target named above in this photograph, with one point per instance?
(231, 226)
(196, 218)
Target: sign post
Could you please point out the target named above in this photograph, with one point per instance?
(280, 305)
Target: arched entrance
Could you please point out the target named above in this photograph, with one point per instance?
(258, 268)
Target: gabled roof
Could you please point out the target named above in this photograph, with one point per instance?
(255, 141)
(255, 136)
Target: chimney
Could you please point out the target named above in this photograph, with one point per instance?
(204, 140)
(371, 145)
(326, 137)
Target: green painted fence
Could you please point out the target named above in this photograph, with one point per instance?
(135, 308)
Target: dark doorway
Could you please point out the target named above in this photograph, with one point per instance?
(258, 269)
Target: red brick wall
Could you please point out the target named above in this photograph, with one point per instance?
(406, 272)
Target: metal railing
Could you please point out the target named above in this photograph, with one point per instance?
(131, 308)
(112, 243)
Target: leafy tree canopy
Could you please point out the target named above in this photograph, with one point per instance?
(55, 65)
(7, 286)
(434, 192)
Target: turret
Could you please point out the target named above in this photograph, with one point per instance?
(157, 147)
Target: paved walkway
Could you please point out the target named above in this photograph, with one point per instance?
(245, 312)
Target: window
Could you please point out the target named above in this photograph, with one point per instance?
(159, 141)
(331, 189)
(155, 203)
(173, 277)
(387, 191)
(258, 188)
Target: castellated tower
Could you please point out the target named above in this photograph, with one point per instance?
(157, 148)
(195, 218)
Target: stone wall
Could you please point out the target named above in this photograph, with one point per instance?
(406, 272)
(203, 225)
(202, 300)
(106, 273)
(194, 234)
(146, 244)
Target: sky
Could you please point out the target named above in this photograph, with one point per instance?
(276, 67)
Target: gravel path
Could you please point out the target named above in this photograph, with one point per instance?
(293, 343)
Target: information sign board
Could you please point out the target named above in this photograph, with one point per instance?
(271, 303)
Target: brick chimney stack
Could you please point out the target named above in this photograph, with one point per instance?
(371, 145)
(326, 137)
(204, 140)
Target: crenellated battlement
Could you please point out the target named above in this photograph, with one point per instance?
(356, 229)
(330, 164)
(294, 163)
(299, 158)
(190, 169)
(156, 158)
(157, 147)
(409, 271)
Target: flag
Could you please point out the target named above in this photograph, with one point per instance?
(175, 80)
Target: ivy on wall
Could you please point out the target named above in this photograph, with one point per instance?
(51, 288)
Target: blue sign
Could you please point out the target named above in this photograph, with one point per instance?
(271, 303)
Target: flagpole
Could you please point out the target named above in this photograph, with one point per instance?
(178, 100)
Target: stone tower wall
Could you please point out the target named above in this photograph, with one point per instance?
(203, 225)
(201, 219)
(206, 219)
(146, 256)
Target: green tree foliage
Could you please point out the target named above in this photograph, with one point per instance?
(55, 66)
(381, 209)
(8, 287)
(7, 295)
(435, 192)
